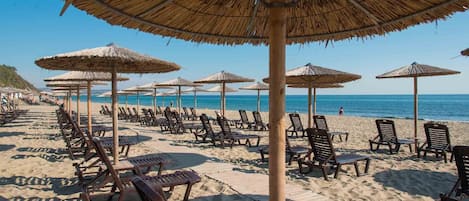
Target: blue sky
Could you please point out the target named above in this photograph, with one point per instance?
(33, 28)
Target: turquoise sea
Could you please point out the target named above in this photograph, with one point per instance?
(431, 107)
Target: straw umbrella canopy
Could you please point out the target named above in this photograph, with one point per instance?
(137, 90)
(154, 86)
(195, 90)
(314, 87)
(314, 75)
(258, 86)
(110, 58)
(465, 52)
(178, 82)
(414, 71)
(105, 94)
(222, 78)
(274, 22)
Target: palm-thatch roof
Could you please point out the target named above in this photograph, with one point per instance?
(218, 88)
(223, 77)
(317, 86)
(194, 89)
(137, 89)
(238, 22)
(104, 59)
(85, 76)
(177, 82)
(417, 70)
(256, 86)
(311, 74)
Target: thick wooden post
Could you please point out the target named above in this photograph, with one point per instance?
(309, 107)
(314, 101)
(115, 135)
(223, 99)
(78, 106)
(88, 102)
(416, 115)
(258, 100)
(277, 40)
(154, 100)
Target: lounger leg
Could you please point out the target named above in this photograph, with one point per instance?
(258, 141)
(356, 169)
(324, 172)
(340, 137)
(188, 192)
(444, 156)
(367, 165)
(346, 137)
(336, 174)
(390, 148)
(262, 155)
(410, 148)
(451, 158)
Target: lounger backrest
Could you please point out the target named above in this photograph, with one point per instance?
(296, 121)
(105, 159)
(257, 118)
(152, 114)
(193, 111)
(320, 122)
(461, 155)
(225, 127)
(135, 111)
(206, 124)
(185, 111)
(321, 145)
(129, 111)
(437, 135)
(244, 116)
(386, 130)
(147, 192)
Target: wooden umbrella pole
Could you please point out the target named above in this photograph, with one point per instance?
(70, 102)
(223, 99)
(415, 111)
(126, 102)
(258, 100)
(154, 100)
(195, 99)
(138, 103)
(78, 106)
(309, 107)
(179, 99)
(314, 101)
(114, 117)
(277, 41)
(88, 102)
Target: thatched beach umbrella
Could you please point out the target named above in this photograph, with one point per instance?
(314, 87)
(110, 58)
(414, 71)
(222, 78)
(195, 90)
(178, 82)
(258, 86)
(126, 94)
(137, 90)
(316, 75)
(465, 52)
(274, 22)
(90, 78)
(154, 86)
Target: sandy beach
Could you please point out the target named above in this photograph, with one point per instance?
(35, 165)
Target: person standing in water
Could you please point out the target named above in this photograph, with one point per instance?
(341, 111)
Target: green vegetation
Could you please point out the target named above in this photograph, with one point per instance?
(9, 78)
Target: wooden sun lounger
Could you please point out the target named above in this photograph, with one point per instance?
(461, 187)
(233, 137)
(293, 152)
(324, 156)
(321, 123)
(122, 185)
(296, 125)
(387, 136)
(438, 141)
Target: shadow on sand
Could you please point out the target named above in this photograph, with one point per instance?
(11, 134)
(60, 186)
(6, 147)
(417, 182)
(187, 160)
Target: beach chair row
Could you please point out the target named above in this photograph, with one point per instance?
(98, 176)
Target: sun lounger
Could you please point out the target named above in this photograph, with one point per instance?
(438, 141)
(461, 187)
(387, 136)
(324, 155)
(296, 125)
(321, 123)
(148, 192)
(258, 123)
(123, 185)
(293, 152)
(233, 137)
(244, 123)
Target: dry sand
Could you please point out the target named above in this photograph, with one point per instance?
(35, 165)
